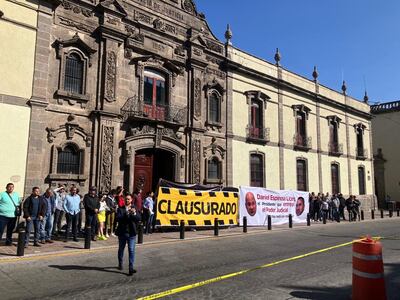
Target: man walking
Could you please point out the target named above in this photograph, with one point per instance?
(71, 208)
(35, 209)
(9, 202)
(128, 218)
(47, 224)
(92, 204)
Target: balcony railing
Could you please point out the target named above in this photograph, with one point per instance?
(302, 142)
(257, 134)
(335, 148)
(133, 108)
(361, 153)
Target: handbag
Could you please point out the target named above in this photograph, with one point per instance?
(18, 211)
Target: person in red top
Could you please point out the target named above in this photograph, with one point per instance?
(120, 196)
(138, 200)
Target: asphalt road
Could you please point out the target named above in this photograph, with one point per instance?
(162, 267)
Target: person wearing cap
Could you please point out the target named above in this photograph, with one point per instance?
(92, 204)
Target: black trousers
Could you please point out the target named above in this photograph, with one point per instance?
(72, 220)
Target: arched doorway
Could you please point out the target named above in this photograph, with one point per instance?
(150, 166)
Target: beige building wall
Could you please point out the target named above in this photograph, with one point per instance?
(18, 21)
(297, 90)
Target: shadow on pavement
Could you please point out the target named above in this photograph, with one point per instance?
(392, 281)
(85, 268)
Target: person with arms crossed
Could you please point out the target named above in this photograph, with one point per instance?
(10, 207)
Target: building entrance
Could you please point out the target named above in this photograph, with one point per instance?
(150, 166)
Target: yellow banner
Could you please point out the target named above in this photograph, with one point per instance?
(196, 208)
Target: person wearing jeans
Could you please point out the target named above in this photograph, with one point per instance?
(8, 201)
(127, 218)
(92, 204)
(148, 211)
(47, 224)
(35, 208)
(71, 208)
(59, 212)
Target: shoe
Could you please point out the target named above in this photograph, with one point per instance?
(8, 243)
(132, 271)
(76, 240)
(36, 244)
(26, 246)
(49, 241)
(101, 238)
(113, 235)
(107, 236)
(94, 239)
(42, 242)
(120, 267)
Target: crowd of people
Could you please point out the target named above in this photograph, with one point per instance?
(333, 207)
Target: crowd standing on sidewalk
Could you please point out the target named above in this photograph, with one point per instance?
(324, 206)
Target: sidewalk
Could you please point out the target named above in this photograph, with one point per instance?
(59, 246)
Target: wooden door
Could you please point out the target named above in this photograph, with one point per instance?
(144, 172)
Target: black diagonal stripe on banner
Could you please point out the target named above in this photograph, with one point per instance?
(198, 194)
(236, 195)
(192, 223)
(174, 222)
(221, 222)
(165, 190)
(158, 223)
(183, 192)
(212, 194)
(207, 222)
(226, 194)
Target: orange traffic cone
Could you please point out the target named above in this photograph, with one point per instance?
(368, 277)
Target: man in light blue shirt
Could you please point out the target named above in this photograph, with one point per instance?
(72, 209)
(8, 202)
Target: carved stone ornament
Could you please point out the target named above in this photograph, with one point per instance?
(146, 129)
(214, 148)
(76, 25)
(76, 8)
(71, 127)
(180, 51)
(107, 158)
(197, 98)
(111, 76)
(189, 6)
(196, 148)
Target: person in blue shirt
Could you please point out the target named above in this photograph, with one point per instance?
(72, 208)
(46, 227)
(9, 200)
(148, 212)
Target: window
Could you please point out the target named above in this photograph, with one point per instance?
(361, 180)
(256, 170)
(155, 94)
(214, 108)
(301, 175)
(360, 142)
(335, 178)
(256, 118)
(301, 124)
(69, 161)
(214, 169)
(73, 78)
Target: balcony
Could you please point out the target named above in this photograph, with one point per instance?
(302, 142)
(135, 109)
(361, 153)
(335, 149)
(257, 135)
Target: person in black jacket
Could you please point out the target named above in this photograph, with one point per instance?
(92, 204)
(35, 208)
(127, 218)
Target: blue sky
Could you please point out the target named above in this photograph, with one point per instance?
(354, 39)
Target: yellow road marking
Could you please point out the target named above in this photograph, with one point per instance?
(223, 277)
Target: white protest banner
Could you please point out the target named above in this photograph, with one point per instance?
(257, 203)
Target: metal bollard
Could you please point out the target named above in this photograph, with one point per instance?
(140, 233)
(216, 227)
(390, 213)
(269, 223)
(372, 214)
(308, 220)
(182, 230)
(381, 213)
(362, 215)
(350, 216)
(88, 236)
(290, 221)
(21, 242)
(244, 224)
(324, 218)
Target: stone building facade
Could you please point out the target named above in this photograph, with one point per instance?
(125, 93)
(386, 149)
